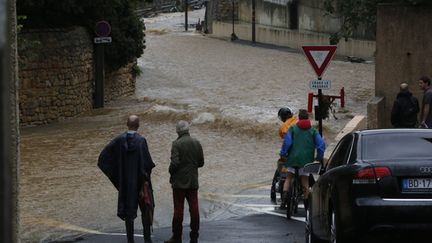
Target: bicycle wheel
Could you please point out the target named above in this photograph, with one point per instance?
(273, 186)
(290, 202)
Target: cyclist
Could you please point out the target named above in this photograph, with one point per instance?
(286, 116)
(298, 149)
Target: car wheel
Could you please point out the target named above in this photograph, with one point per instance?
(336, 229)
(310, 237)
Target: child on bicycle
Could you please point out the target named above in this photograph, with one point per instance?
(286, 116)
(298, 149)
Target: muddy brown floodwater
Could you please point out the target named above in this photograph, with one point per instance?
(230, 92)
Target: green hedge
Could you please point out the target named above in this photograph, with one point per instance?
(127, 31)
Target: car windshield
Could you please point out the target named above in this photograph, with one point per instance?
(396, 146)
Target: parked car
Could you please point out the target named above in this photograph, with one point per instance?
(374, 179)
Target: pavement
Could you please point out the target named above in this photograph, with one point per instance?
(260, 228)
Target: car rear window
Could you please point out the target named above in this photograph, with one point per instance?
(396, 146)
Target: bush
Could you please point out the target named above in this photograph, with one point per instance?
(127, 31)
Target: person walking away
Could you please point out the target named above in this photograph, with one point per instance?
(186, 157)
(126, 161)
(426, 113)
(298, 149)
(405, 109)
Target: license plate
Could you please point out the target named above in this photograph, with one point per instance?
(417, 184)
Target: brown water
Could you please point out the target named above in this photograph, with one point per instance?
(230, 93)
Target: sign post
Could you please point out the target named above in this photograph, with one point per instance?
(319, 57)
(102, 31)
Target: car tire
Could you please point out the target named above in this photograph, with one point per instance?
(336, 229)
(309, 235)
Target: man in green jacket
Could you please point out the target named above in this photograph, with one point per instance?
(186, 157)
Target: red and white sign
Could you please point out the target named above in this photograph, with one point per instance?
(319, 57)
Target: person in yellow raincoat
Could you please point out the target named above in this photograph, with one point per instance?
(288, 119)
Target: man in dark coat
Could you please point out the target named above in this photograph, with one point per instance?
(405, 109)
(186, 157)
(126, 161)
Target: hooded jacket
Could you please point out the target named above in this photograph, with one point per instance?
(300, 143)
(405, 110)
(126, 161)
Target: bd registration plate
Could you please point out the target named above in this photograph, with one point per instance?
(417, 184)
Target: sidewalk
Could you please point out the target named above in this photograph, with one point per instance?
(260, 228)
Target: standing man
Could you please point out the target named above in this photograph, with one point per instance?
(405, 109)
(299, 149)
(186, 157)
(126, 161)
(426, 113)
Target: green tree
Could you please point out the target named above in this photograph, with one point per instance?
(356, 13)
(127, 30)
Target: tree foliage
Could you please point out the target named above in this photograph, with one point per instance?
(127, 31)
(356, 13)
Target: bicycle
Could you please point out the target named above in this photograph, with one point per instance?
(294, 195)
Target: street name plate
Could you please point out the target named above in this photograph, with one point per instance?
(320, 84)
(102, 40)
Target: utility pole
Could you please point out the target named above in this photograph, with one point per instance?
(8, 124)
(233, 35)
(186, 4)
(253, 21)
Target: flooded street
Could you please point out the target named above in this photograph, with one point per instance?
(231, 94)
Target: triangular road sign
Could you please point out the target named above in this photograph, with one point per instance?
(319, 57)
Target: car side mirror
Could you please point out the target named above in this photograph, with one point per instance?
(313, 168)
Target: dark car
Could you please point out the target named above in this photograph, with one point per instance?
(374, 179)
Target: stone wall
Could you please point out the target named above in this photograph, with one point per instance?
(119, 83)
(56, 77)
(403, 42)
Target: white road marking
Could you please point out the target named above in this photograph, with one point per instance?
(253, 207)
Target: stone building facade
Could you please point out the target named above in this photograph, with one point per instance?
(403, 48)
(56, 77)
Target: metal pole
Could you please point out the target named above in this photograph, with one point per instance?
(320, 105)
(186, 14)
(233, 35)
(253, 21)
(7, 197)
(100, 76)
(206, 18)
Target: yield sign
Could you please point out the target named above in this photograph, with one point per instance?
(319, 57)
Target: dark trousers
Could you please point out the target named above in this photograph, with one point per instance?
(191, 196)
(145, 222)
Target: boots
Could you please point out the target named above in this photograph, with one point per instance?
(147, 233)
(306, 204)
(283, 200)
(130, 230)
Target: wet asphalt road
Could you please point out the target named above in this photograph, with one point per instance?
(254, 228)
(264, 222)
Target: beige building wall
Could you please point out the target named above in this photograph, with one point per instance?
(403, 55)
(294, 38)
